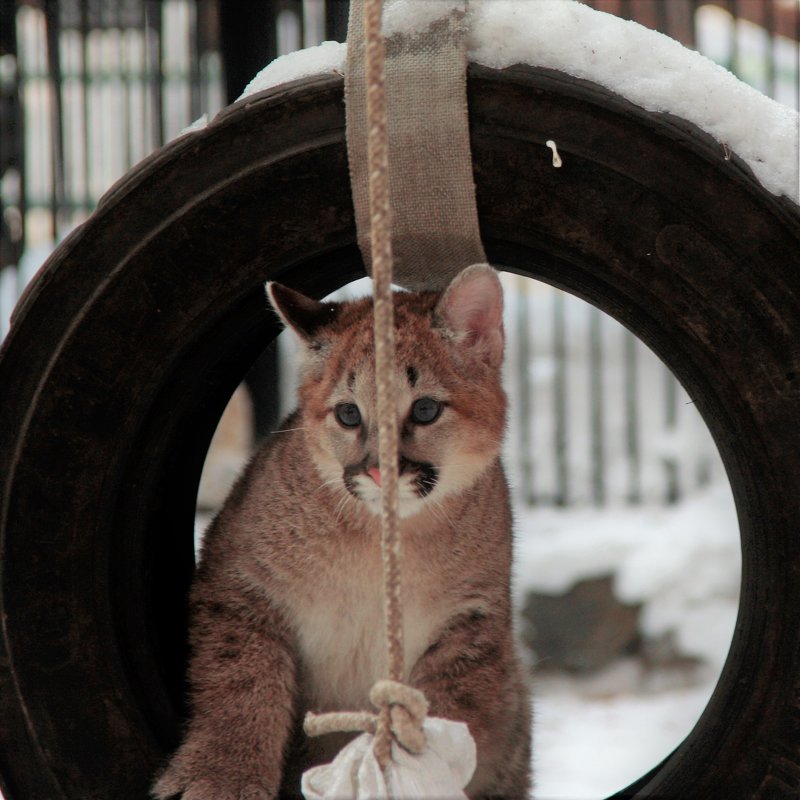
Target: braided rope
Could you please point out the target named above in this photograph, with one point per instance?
(402, 709)
(381, 243)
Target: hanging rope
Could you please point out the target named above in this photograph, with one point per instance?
(381, 242)
(402, 709)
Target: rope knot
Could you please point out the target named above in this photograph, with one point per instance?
(407, 709)
(402, 711)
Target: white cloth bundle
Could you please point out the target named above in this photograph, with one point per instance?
(440, 772)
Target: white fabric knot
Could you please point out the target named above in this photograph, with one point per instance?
(440, 772)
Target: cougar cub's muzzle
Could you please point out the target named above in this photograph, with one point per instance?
(425, 475)
(422, 477)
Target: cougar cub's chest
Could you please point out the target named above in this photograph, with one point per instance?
(340, 627)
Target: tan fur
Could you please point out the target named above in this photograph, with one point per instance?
(287, 602)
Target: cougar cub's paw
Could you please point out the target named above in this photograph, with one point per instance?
(171, 785)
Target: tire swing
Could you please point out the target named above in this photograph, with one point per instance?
(126, 347)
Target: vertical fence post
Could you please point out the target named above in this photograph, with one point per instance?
(154, 61)
(336, 14)
(195, 98)
(524, 400)
(57, 189)
(85, 93)
(12, 146)
(733, 65)
(560, 430)
(672, 485)
(597, 417)
(797, 56)
(249, 42)
(631, 401)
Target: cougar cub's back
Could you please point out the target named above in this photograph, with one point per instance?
(288, 599)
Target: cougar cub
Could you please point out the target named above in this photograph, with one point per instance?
(287, 609)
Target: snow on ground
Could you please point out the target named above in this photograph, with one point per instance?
(648, 68)
(595, 735)
(588, 746)
(683, 562)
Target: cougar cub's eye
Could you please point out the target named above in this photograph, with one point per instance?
(348, 414)
(425, 410)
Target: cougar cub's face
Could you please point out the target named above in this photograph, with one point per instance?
(450, 405)
(439, 453)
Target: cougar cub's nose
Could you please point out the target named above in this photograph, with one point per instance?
(375, 474)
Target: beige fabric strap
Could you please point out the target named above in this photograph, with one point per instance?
(435, 230)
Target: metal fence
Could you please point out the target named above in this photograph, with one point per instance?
(595, 416)
(93, 88)
(89, 87)
(754, 39)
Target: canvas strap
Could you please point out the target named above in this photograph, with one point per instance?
(435, 230)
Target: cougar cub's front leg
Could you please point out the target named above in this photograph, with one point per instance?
(471, 674)
(243, 682)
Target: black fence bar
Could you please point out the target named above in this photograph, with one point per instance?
(671, 469)
(248, 42)
(12, 143)
(796, 38)
(336, 13)
(57, 188)
(769, 24)
(152, 27)
(732, 6)
(85, 86)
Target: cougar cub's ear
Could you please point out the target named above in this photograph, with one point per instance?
(300, 313)
(472, 309)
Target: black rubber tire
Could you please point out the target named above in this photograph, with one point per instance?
(129, 342)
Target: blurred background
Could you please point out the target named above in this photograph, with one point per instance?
(627, 539)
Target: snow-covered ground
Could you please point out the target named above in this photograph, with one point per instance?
(681, 562)
(588, 745)
(595, 735)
